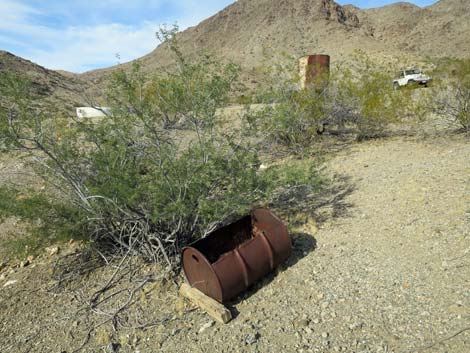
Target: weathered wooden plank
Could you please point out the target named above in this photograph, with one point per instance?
(216, 310)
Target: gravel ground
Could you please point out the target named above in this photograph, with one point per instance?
(382, 265)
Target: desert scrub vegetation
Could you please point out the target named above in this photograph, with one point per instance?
(357, 100)
(46, 220)
(365, 98)
(158, 172)
(451, 97)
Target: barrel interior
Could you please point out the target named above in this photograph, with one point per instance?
(225, 239)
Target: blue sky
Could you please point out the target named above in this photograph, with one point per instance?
(81, 35)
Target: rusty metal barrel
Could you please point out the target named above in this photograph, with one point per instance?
(314, 70)
(230, 259)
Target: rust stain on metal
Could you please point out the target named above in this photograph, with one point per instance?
(229, 260)
(314, 69)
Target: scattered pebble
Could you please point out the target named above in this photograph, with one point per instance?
(299, 323)
(355, 325)
(206, 326)
(252, 338)
(10, 283)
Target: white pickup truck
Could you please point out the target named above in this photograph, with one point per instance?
(410, 76)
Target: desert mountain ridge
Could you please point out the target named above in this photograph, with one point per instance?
(253, 32)
(250, 32)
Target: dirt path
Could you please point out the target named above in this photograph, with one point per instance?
(383, 265)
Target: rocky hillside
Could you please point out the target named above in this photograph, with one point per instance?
(252, 32)
(438, 30)
(62, 88)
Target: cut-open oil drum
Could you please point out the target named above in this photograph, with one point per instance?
(229, 260)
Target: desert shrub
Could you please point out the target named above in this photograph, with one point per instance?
(46, 220)
(452, 96)
(158, 172)
(298, 177)
(364, 96)
(291, 123)
(358, 100)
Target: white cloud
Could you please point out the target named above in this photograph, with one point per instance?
(14, 12)
(78, 36)
(80, 49)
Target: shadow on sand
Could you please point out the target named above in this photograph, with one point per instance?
(302, 245)
(328, 204)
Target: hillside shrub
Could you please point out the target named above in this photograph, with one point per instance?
(364, 96)
(452, 96)
(358, 100)
(291, 123)
(46, 220)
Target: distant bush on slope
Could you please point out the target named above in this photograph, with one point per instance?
(452, 97)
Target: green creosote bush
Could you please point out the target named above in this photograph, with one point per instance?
(451, 98)
(158, 172)
(289, 121)
(46, 220)
(360, 99)
(367, 93)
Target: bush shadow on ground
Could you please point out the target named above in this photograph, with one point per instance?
(328, 204)
(333, 198)
(302, 245)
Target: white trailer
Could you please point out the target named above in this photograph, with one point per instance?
(92, 112)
